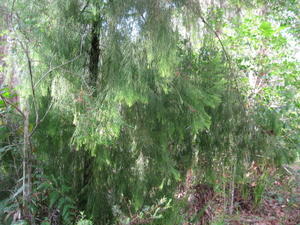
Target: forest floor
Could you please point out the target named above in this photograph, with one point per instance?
(280, 204)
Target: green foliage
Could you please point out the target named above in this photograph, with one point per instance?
(172, 93)
(147, 214)
(10, 190)
(83, 220)
(57, 196)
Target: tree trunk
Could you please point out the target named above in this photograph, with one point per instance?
(93, 77)
(27, 167)
(94, 54)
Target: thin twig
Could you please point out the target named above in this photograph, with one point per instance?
(7, 102)
(287, 169)
(217, 36)
(55, 68)
(83, 9)
(228, 58)
(29, 64)
(231, 207)
(41, 120)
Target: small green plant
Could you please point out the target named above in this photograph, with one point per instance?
(218, 221)
(59, 199)
(260, 188)
(145, 215)
(21, 222)
(83, 220)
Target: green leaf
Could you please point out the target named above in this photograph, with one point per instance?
(61, 203)
(20, 222)
(19, 191)
(54, 196)
(66, 209)
(6, 149)
(176, 174)
(266, 29)
(2, 103)
(44, 186)
(45, 223)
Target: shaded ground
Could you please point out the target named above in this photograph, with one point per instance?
(280, 204)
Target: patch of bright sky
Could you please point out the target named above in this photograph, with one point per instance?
(131, 24)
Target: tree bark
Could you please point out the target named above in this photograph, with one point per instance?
(94, 54)
(94, 57)
(27, 167)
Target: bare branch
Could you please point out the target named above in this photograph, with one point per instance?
(40, 121)
(217, 36)
(29, 64)
(55, 68)
(7, 102)
(84, 8)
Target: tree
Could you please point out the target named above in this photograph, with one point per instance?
(124, 97)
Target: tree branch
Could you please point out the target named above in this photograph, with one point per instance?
(217, 36)
(55, 68)
(29, 64)
(41, 120)
(7, 102)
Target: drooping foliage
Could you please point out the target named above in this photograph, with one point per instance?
(126, 96)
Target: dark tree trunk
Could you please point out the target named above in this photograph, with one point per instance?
(94, 55)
